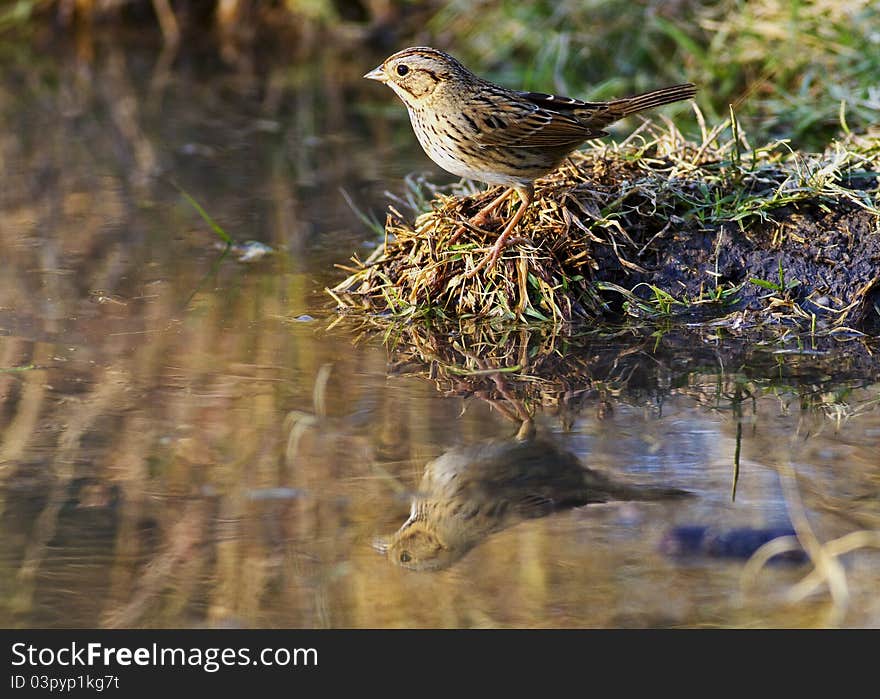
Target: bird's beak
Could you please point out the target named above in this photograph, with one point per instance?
(376, 74)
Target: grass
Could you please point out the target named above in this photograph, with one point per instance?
(780, 286)
(610, 222)
(205, 216)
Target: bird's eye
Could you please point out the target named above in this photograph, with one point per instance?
(402, 69)
(404, 555)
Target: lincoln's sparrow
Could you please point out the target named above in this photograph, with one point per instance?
(473, 128)
(468, 493)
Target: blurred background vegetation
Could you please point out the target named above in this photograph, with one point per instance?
(787, 66)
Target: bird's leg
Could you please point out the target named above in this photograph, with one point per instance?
(525, 195)
(480, 218)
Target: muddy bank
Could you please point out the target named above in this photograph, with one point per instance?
(657, 227)
(809, 261)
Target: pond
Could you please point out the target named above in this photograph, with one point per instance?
(192, 438)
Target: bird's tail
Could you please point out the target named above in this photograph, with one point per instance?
(646, 493)
(654, 98)
(598, 487)
(602, 114)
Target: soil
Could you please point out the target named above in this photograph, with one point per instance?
(830, 262)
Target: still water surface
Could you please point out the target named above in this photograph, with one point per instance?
(185, 441)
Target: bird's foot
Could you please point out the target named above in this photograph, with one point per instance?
(481, 218)
(491, 259)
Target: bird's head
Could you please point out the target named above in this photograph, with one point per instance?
(416, 73)
(417, 548)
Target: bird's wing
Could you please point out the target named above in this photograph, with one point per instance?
(530, 120)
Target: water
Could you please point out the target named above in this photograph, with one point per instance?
(186, 442)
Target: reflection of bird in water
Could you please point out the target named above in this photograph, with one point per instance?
(468, 493)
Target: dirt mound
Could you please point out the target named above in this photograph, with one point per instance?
(654, 226)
